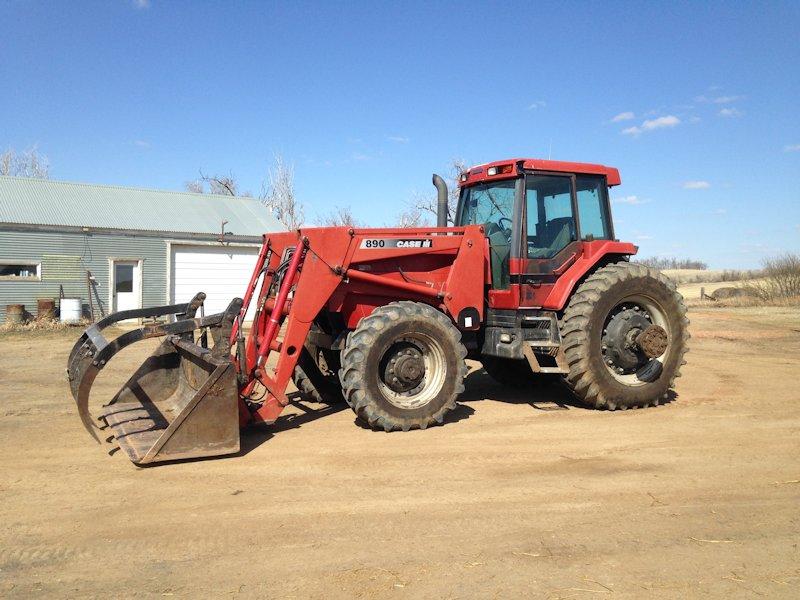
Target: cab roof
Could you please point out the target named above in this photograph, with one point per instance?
(510, 168)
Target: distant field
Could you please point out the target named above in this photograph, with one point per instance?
(706, 276)
(691, 281)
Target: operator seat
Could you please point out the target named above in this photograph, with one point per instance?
(555, 236)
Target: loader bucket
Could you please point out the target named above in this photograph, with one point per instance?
(182, 402)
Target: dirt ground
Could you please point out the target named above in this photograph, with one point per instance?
(520, 494)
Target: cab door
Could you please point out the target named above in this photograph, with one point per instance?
(550, 234)
(562, 212)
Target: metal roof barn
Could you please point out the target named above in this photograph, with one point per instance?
(116, 248)
(45, 202)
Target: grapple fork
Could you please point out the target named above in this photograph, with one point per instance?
(182, 402)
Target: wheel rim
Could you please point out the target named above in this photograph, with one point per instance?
(633, 321)
(412, 371)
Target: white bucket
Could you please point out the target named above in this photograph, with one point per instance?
(70, 310)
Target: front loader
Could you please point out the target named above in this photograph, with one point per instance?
(531, 282)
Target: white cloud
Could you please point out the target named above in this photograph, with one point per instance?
(696, 185)
(633, 200)
(399, 139)
(653, 124)
(537, 104)
(726, 99)
(730, 112)
(358, 156)
(792, 148)
(141, 143)
(719, 99)
(623, 116)
(721, 211)
(141, 4)
(661, 122)
(642, 237)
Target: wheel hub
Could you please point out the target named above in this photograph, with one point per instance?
(405, 369)
(620, 342)
(653, 341)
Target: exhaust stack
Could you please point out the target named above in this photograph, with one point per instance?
(441, 201)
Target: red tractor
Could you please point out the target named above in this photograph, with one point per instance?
(531, 282)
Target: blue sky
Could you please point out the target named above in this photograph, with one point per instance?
(695, 103)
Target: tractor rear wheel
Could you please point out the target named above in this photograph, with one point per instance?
(403, 367)
(514, 372)
(624, 334)
(315, 375)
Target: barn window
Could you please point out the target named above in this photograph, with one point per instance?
(19, 271)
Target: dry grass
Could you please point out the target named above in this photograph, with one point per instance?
(41, 325)
(743, 301)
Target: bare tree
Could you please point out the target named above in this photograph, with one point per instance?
(340, 216)
(279, 196)
(423, 208)
(277, 192)
(412, 217)
(24, 164)
(196, 187)
(222, 185)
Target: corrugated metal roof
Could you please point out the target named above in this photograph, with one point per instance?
(61, 203)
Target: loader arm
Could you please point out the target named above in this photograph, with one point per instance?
(347, 271)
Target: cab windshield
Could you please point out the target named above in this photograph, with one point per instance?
(492, 205)
(488, 204)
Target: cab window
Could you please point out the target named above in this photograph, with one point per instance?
(593, 208)
(550, 222)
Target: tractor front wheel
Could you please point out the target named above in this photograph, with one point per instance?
(403, 367)
(624, 334)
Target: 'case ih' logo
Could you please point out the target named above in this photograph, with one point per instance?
(374, 243)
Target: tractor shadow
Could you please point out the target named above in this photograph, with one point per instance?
(544, 395)
(252, 437)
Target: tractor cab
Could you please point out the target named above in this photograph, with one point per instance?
(539, 216)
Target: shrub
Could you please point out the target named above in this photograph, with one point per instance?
(780, 278)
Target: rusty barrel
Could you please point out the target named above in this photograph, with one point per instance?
(15, 313)
(45, 309)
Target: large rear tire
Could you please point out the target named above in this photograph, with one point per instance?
(403, 367)
(624, 334)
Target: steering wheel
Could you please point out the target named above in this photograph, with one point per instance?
(493, 227)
